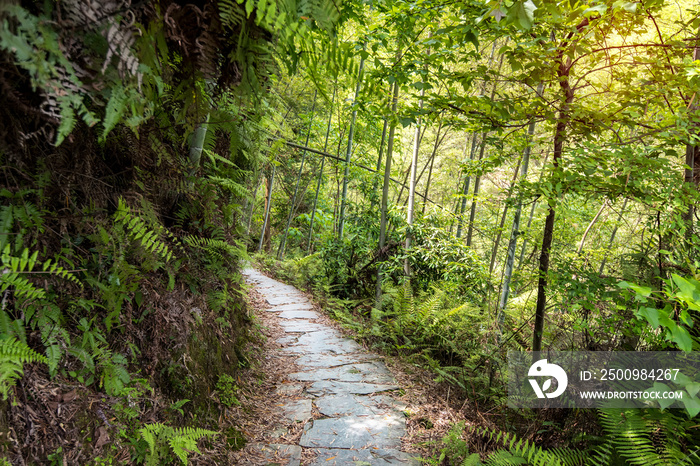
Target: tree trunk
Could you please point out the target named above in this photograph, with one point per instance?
(532, 214)
(465, 191)
(515, 232)
(559, 135)
(341, 220)
(438, 142)
(252, 204)
(412, 186)
(265, 233)
(477, 185)
(612, 238)
(590, 225)
(477, 181)
(494, 251)
(280, 251)
(691, 159)
(320, 175)
(375, 182)
(385, 192)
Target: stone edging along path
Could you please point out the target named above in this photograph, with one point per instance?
(360, 424)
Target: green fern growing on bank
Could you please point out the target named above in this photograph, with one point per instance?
(13, 355)
(163, 440)
(644, 437)
(521, 451)
(14, 267)
(139, 230)
(215, 247)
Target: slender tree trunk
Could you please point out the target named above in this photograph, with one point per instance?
(494, 251)
(590, 225)
(252, 204)
(612, 238)
(280, 251)
(477, 181)
(467, 180)
(515, 232)
(691, 159)
(465, 191)
(532, 214)
(427, 164)
(341, 220)
(438, 142)
(477, 185)
(385, 192)
(559, 136)
(375, 182)
(320, 175)
(406, 173)
(412, 187)
(265, 233)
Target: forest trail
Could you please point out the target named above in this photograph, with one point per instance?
(356, 421)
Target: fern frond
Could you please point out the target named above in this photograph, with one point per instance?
(236, 189)
(643, 437)
(215, 247)
(138, 230)
(181, 441)
(521, 451)
(13, 355)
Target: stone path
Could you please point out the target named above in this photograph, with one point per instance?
(360, 423)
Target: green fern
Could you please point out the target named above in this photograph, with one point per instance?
(163, 440)
(644, 437)
(139, 231)
(234, 188)
(520, 451)
(215, 247)
(13, 355)
(13, 267)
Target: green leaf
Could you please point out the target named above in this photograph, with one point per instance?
(599, 9)
(651, 314)
(660, 387)
(693, 388)
(689, 291)
(692, 405)
(682, 338)
(524, 13)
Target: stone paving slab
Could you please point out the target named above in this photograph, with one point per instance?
(291, 307)
(282, 299)
(287, 340)
(357, 405)
(288, 455)
(332, 360)
(324, 341)
(297, 410)
(300, 326)
(289, 389)
(361, 372)
(329, 387)
(299, 315)
(364, 457)
(355, 432)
